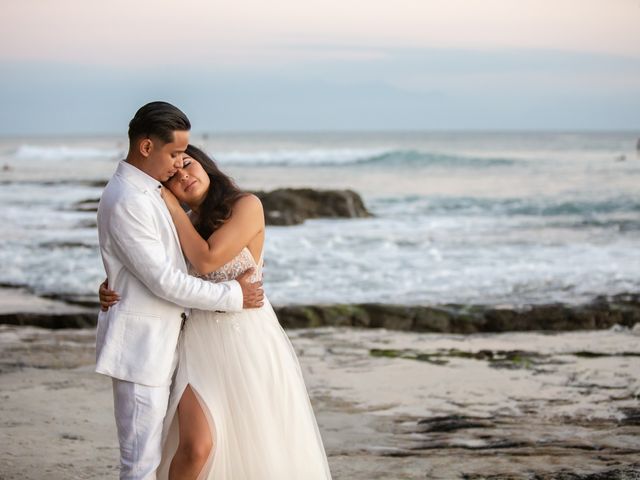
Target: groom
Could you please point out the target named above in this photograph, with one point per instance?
(137, 338)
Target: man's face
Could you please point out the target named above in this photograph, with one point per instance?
(164, 159)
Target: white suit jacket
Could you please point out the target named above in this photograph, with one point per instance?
(137, 338)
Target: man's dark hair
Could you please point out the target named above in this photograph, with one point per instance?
(159, 119)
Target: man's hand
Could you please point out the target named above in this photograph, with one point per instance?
(252, 293)
(108, 297)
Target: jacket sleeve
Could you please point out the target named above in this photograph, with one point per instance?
(136, 241)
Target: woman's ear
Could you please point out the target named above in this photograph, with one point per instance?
(145, 146)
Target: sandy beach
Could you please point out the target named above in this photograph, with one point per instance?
(390, 405)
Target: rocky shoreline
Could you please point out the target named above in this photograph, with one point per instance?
(601, 313)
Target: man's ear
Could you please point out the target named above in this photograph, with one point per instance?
(145, 146)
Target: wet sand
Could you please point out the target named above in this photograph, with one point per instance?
(390, 405)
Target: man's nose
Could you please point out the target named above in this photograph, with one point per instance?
(179, 163)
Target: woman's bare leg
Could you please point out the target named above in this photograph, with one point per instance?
(196, 441)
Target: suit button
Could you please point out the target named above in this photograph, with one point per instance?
(183, 316)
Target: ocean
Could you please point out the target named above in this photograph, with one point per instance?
(473, 218)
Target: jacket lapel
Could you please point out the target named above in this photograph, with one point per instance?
(150, 187)
(165, 212)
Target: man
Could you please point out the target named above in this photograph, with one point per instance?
(137, 338)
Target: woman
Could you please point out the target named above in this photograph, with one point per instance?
(239, 408)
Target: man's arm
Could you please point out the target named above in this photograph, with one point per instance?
(141, 250)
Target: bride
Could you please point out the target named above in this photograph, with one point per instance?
(239, 408)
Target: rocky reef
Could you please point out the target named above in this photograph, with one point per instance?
(601, 313)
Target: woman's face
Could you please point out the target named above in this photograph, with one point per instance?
(190, 183)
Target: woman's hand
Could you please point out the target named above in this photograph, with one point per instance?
(108, 297)
(170, 199)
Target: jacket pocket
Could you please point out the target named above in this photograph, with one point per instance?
(144, 336)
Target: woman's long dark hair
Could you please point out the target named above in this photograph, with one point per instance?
(223, 193)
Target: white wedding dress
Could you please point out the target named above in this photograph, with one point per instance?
(245, 373)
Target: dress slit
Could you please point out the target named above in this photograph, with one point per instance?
(213, 431)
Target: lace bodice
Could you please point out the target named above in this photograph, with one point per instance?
(232, 269)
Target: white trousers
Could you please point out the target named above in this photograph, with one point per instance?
(140, 411)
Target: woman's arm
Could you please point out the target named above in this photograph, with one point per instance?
(246, 221)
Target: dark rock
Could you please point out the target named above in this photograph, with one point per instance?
(393, 317)
(62, 245)
(345, 315)
(631, 416)
(451, 423)
(599, 314)
(13, 285)
(394, 452)
(538, 317)
(87, 224)
(467, 323)
(299, 317)
(430, 319)
(55, 321)
(459, 319)
(90, 205)
(290, 206)
(89, 301)
(589, 354)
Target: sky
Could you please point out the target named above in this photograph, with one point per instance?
(85, 66)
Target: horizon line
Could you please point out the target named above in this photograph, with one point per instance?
(201, 133)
